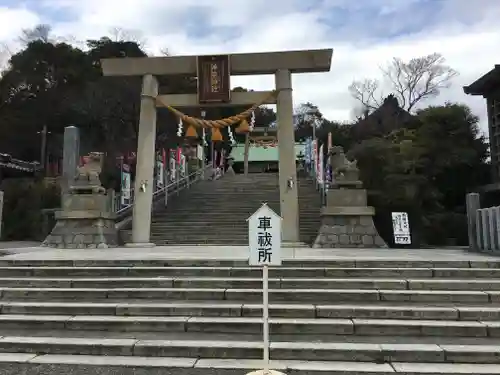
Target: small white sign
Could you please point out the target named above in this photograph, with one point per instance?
(401, 228)
(159, 174)
(126, 188)
(264, 237)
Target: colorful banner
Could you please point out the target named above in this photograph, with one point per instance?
(329, 174)
(126, 185)
(199, 152)
(182, 164)
(314, 160)
(308, 151)
(159, 173)
(164, 157)
(178, 155)
(320, 171)
(173, 165)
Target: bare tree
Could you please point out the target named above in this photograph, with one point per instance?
(165, 51)
(367, 93)
(410, 81)
(72, 40)
(39, 32)
(119, 34)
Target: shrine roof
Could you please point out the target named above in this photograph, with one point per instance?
(7, 161)
(485, 84)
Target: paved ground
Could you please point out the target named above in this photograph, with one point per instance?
(235, 252)
(18, 244)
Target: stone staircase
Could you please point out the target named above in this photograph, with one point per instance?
(203, 317)
(215, 212)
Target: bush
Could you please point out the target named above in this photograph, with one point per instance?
(23, 201)
(447, 228)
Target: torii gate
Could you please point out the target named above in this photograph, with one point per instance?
(281, 64)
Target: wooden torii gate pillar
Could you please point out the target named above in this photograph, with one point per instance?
(281, 64)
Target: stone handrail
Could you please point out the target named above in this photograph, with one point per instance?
(124, 215)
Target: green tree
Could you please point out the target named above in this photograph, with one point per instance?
(426, 171)
(455, 151)
(31, 92)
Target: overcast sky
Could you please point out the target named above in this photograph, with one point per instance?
(364, 34)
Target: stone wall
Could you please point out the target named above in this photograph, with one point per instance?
(82, 233)
(348, 231)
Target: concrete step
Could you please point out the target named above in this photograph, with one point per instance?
(343, 263)
(244, 309)
(228, 271)
(194, 238)
(275, 295)
(191, 220)
(305, 351)
(215, 227)
(212, 232)
(253, 325)
(335, 263)
(191, 236)
(246, 200)
(252, 283)
(110, 365)
(185, 241)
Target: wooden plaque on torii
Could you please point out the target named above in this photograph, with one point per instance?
(214, 79)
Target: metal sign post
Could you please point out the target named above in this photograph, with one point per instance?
(264, 245)
(265, 315)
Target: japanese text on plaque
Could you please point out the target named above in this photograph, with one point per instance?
(264, 240)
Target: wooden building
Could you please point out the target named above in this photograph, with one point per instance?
(11, 167)
(488, 86)
(385, 119)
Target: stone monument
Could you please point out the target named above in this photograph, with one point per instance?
(346, 220)
(86, 219)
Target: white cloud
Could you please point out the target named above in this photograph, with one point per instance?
(13, 20)
(465, 32)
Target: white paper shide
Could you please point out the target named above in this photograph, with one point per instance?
(401, 228)
(264, 237)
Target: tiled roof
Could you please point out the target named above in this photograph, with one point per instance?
(7, 161)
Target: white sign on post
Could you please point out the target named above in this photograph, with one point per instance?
(401, 228)
(264, 245)
(264, 237)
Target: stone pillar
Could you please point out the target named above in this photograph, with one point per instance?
(485, 229)
(496, 229)
(479, 230)
(144, 178)
(289, 201)
(1, 212)
(472, 202)
(71, 155)
(492, 229)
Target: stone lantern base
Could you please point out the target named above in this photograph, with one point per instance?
(85, 221)
(347, 222)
